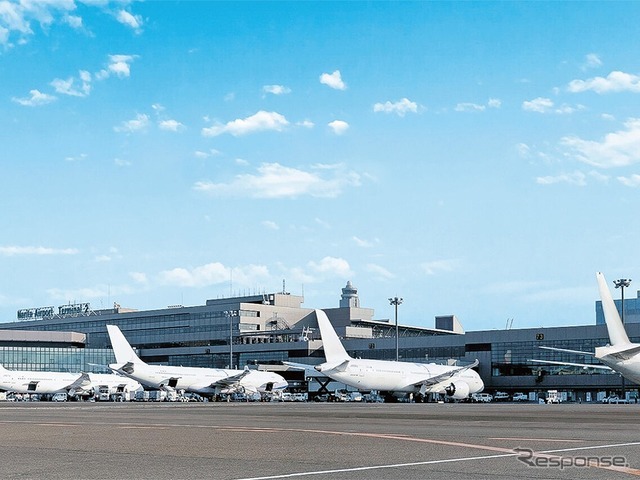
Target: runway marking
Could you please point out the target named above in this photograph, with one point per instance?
(549, 453)
(536, 439)
(504, 452)
(144, 427)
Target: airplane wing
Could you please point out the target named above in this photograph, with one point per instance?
(590, 354)
(82, 383)
(231, 380)
(298, 366)
(569, 364)
(445, 376)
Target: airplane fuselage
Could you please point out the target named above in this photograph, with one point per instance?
(36, 382)
(398, 376)
(629, 368)
(201, 380)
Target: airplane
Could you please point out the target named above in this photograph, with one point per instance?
(398, 378)
(22, 381)
(205, 381)
(620, 355)
(74, 384)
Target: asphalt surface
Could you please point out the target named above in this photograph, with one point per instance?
(318, 440)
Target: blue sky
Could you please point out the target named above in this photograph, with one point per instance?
(477, 159)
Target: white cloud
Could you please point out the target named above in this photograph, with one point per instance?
(122, 163)
(337, 267)
(306, 124)
(523, 149)
(333, 80)
(211, 153)
(436, 266)
(171, 125)
(322, 223)
(16, 17)
(476, 107)
(99, 291)
(36, 99)
(277, 181)
(363, 243)
(630, 181)
(73, 21)
(213, 274)
(141, 122)
(119, 65)
(270, 225)
(618, 149)
(276, 89)
(469, 107)
(78, 158)
(576, 178)
(540, 105)
(139, 277)
(209, 274)
(401, 107)
(67, 87)
(130, 20)
(379, 272)
(12, 250)
(338, 126)
(614, 82)
(592, 60)
(260, 121)
(546, 105)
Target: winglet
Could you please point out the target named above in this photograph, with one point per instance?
(121, 348)
(617, 334)
(334, 352)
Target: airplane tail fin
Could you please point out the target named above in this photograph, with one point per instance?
(333, 350)
(121, 348)
(617, 334)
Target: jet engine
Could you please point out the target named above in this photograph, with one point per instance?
(457, 390)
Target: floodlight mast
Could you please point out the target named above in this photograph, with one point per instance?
(395, 301)
(622, 283)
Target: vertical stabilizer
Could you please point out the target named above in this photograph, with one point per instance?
(121, 348)
(617, 334)
(333, 349)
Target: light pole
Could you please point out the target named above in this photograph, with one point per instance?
(230, 314)
(622, 283)
(395, 301)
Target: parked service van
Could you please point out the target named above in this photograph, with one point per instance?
(481, 397)
(59, 397)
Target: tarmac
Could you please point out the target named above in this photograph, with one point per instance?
(318, 441)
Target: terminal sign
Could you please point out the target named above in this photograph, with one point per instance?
(74, 309)
(35, 313)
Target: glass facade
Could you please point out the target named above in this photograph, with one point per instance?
(516, 358)
(56, 359)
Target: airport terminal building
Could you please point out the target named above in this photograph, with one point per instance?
(268, 329)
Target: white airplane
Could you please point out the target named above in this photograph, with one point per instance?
(206, 381)
(620, 355)
(20, 381)
(391, 376)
